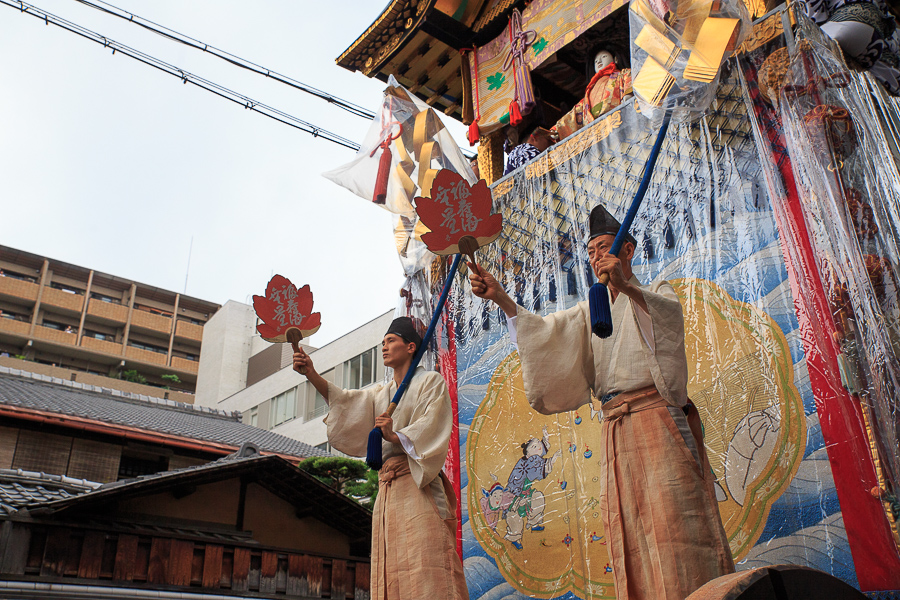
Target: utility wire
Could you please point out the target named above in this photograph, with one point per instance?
(187, 40)
(186, 77)
(181, 38)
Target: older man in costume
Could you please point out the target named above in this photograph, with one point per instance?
(414, 518)
(664, 532)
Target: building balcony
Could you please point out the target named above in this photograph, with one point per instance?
(183, 364)
(15, 327)
(189, 331)
(19, 289)
(153, 322)
(107, 310)
(62, 300)
(147, 356)
(55, 335)
(111, 348)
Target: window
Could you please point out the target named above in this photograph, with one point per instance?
(135, 466)
(100, 336)
(359, 371)
(104, 298)
(254, 416)
(18, 276)
(65, 288)
(149, 347)
(319, 408)
(324, 446)
(283, 406)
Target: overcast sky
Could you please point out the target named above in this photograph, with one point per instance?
(112, 165)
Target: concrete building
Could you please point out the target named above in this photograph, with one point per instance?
(241, 372)
(92, 324)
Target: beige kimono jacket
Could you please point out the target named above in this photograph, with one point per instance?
(657, 501)
(414, 517)
(562, 362)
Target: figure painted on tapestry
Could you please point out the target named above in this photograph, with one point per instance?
(493, 502)
(526, 508)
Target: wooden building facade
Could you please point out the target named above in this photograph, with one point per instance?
(254, 527)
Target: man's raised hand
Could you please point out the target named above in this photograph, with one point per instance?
(485, 285)
(303, 361)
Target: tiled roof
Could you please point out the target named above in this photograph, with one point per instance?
(33, 392)
(271, 472)
(20, 488)
(44, 495)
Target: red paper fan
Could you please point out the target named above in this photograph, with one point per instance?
(285, 308)
(456, 211)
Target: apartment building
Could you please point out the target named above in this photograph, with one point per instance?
(241, 372)
(93, 324)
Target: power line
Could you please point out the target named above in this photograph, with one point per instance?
(185, 76)
(233, 59)
(181, 38)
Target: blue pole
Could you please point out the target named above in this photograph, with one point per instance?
(598, 297)
(373, 451)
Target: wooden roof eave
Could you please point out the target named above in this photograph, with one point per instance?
(395, 28)
(274, 473)
(397, 23)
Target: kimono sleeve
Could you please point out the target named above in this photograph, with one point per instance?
(557, 359)
(429, 429)
(351, 416)
(668, 365)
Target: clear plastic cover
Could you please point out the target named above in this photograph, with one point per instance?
(405, 147)
(678, 47)
(840, 130)
(712, 224)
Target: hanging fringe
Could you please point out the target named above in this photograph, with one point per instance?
(601, 317)
(474, 133)
(668, 236)
(515, 114)
(647, 246)
(381, 180)
(384, 163)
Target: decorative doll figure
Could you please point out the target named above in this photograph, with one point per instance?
(602, 60)
(609, 85)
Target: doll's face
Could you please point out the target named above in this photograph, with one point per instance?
(602, 60)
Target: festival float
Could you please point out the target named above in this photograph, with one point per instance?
(772, 209)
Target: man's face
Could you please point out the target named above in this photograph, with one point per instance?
(535, 448)
(395, 351)
(600, 245)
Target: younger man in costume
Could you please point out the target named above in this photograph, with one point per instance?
(414, 518)
(665, 535)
